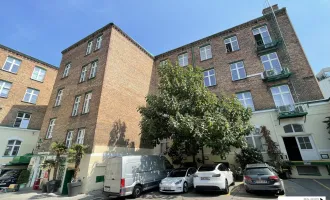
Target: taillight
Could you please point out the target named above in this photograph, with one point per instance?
(216, 175)
(122, 182)
(274, 178)
(247, 178)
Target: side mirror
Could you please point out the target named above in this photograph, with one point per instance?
(168, 173)
(229, 169)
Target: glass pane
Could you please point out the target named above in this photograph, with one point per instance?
(249, 141)
(247, 95)
(235, 47)
(301, 140)
(267, 66)
(10, 142)
(211, 72)
(297, 128)
(7, 66)
(242, 73)
(257, 140)
(34, 99)
(24, 123)
(264, 58)
(308, 146)
(18, 142)
(20, 114)
(206, 82)
(234, 75)
(302, 146)
(284, 88)
(263, 29)
(8, 150)
(275, 90)
(15, 151)
(288, 128)
(206, 73)
(249, 103)
(287, 99)
(234, 38)
(27, 115)
(227, 41)
(255, 31)
(267, 40)
(240, 64)
(14, 68)
(233, 66)
(212, 80)
(273, 55)
(239, 96)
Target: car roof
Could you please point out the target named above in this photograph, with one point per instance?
(257, 165)
(182, 168)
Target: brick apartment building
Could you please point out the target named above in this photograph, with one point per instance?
(25, 87)
(104, 77)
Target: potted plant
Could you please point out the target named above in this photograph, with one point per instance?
(75, 155)
(23, 178)
(47, 165)
(58, 148)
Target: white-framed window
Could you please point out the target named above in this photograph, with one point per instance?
(293, 128)
(261, 35)
(98, 42)
(164, 145)
(231, 44)
(163, 63)
(80, 136)
(69, 137)
(38, 74)
(93, 71)
(31, 95)
(13, 147)
(89, 47)
(205, 52)
(83, 74)
(22, 120)
(87, 101)
(50, 129)
(209, 78)
(237, 71)
(66, 70)
(305, 143)
(4, 88)
(59, 97)
(246, 99)
(12, 65)
(183, 59)
(254, 139)
(271, 62)
(282, 95)
(76, 106)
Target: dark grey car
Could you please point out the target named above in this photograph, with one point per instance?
(262, 177)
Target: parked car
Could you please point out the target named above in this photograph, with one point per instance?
(262, 177)
(130, 175)
(213, 177)
(179, 180)
(9, 177)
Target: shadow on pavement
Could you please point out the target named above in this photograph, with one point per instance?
(239, 191)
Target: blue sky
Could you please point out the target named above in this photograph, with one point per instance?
(43, 29)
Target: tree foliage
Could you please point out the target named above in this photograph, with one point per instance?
(185, 111)
(249, 155)
(58, 148)
(327, 121)
(75, 154)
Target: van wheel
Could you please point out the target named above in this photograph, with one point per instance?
(185, 187)
(226, 191)
(137, 191)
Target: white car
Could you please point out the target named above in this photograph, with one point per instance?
(213, 177)
(179, 180)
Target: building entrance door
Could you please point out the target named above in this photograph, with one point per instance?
(292, 148)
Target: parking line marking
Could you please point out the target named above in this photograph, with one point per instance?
(234, 188)
(322, 184)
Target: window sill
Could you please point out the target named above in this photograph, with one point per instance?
(64, 77)
(232, 51)
(84, 113)
(28, 102)
(87, 54)
(4, 97)
(97, 49)
(239, 79)
(211, 86)
(206, 59)
(56, 106)
(8, 156)
(48, 138)
(9, 71)
(80, 82)
(91, 78)
(36, 80)
(73, 116)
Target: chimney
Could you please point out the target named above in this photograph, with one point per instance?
(269, 10)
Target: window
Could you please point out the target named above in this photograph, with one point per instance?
(209, 77)
(293, 128)
(308, 170)
(246, 99)
(87, 101)
(271, 63)
(68, 141)
(22, 120)
(11, 65)
(66, 70)
(164, 146)
(59, 97)
(83, 74)
(89, 47)
(231, 44)
(81, 135)
(261, 35)
(4, 88)
(50, 128)
(38, 74)
(304, 143)
(31, 95)
(254, 139)
(98, 42)
(205, 52)
(237, 71)
(76, 106)
(12, 147)
(183, 59)
(93, 69)
(163, 63)
(282, 95)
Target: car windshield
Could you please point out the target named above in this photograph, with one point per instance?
(206, 168)
(9, 174)
(258, 171)
(178, 173)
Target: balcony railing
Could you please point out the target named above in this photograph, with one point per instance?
(263, 48)
(271, 75)
(291, 111)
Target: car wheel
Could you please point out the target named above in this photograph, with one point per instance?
(185, 187)
(248, 191)
(226, 191)
(137, 191)
(281, 192)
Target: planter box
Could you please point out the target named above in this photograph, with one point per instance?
(74, 189)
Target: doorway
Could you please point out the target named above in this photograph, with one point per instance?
(292, 148)
(67, 179)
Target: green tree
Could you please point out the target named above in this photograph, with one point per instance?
(327, 121)
(75, 154)
(23, 177)
(58, 148)
(249, 155)
(185, 111)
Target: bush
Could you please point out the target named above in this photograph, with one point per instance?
(23, 177)
(249, 155)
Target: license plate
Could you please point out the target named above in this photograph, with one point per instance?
(167, 188)
(205, 178)
(261, 181)
(107, 189)
(2, 183)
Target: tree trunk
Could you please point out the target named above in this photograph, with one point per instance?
(48, 174)
(76, 169)
(57, 160)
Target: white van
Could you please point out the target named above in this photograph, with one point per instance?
(130, 175)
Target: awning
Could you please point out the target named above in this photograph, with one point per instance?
(20, 160)
(312, 162)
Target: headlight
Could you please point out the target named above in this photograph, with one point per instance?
(178, 182)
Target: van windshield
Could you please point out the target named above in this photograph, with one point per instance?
(178, 173)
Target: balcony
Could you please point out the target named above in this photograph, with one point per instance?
(264, 48)
(291, 111)
(271, 75)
